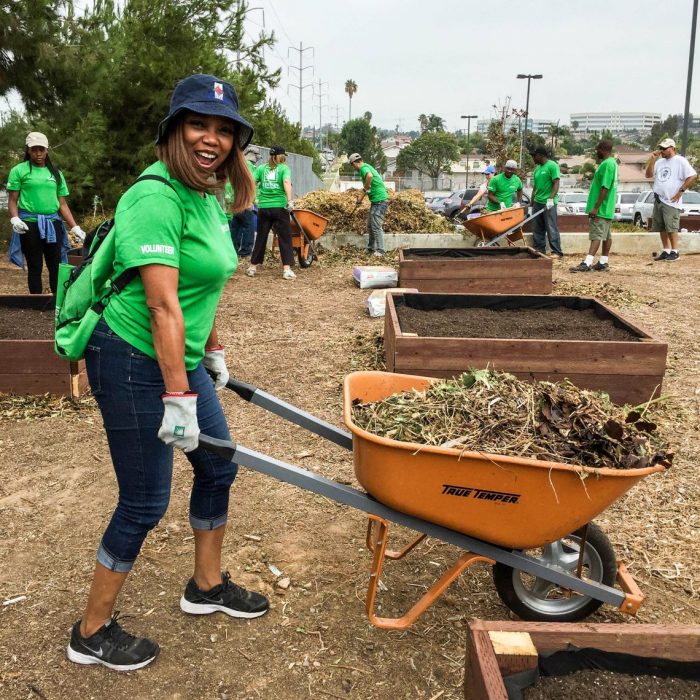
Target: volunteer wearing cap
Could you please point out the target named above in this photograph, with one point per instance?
(545, 191)
(489, 172)
(600, 208)
(242, 225)
(274, 184)
(503, 186)
(147, 363)
(37, 194)
(673, 175)
(374, 187)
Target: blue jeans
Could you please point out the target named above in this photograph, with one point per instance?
(377, 211)
(127, 386)
(242, 227)
(546, 226)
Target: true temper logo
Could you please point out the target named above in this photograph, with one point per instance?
(480, 494)
(157, 248)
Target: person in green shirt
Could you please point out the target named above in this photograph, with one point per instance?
(242, 225)
(502, 188)
(375, 189)
(545, 195)
(37, 205)
(274, 187)
(600, 208)
(150, 358)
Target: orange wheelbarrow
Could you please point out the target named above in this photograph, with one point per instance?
(498, 225)
(529, 519)
(307, 227)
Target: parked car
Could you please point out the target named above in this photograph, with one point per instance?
(436, 204)
(572, 202)
(624, 205)
(643, 208)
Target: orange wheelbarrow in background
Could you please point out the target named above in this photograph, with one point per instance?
(307, 227)
(497, 225)
(529, 519)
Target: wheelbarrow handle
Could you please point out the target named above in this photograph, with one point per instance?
(295, 415)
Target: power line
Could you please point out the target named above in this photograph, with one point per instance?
(320, 96)
(301, 68)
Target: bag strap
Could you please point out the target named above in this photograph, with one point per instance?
(120, 282)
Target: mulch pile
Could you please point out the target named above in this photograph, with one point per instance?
(407, 212)
(495, 412)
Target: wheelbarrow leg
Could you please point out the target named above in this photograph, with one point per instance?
(433, 593)
(389, 553)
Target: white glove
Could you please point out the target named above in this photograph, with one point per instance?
(550, 203)
(78, 233)
(290, 206)
(18, 226)
(214, 361)
(179, 427)
(516, 205)
(503, 205)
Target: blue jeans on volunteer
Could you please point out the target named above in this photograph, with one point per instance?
(377, 211)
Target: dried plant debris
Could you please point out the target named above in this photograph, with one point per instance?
(31, 407)
(348, 211)
(368, 352)
(495, 412)
(609, 293)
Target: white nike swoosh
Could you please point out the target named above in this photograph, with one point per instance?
(96, 652)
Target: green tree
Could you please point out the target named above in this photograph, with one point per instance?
(667, 128)
(351, 89)
(431, 122)
(476, 143)
(359, 136)
(431, 153)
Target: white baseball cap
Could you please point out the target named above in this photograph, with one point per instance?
(36, 138)
(667, 143)
(353, 157)
(511, 164)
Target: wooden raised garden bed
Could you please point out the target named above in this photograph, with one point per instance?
(533, 337)
(496, 270)
(28, 363)
(498, 649)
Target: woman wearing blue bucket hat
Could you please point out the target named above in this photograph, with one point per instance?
(148, 358)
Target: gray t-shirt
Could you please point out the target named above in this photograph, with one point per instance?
(669, 176)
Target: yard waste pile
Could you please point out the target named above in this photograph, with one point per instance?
(487, 411)
(407, 212)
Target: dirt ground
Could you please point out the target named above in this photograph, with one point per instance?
(297, 340)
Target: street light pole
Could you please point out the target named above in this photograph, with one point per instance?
(469, 118)
(686, 112)
(528, 77)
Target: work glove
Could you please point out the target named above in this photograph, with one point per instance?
(78, 233)
(179, 427)
(290, 206)
(516, 205)
(503, 205)
(18, 226)
(550, 203)
(216, 364)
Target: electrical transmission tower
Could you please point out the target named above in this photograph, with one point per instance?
(301, 68)
(320, 95)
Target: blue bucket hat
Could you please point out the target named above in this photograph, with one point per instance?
(206, 94)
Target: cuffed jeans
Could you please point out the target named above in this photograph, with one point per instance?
(377, 211)
(242, 227)
(127, 386)
(546, 227)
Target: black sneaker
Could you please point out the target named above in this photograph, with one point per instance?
(601, 267)
(581, 267)
(227, 598)
(112, 647)
(672, 256)
(663, 255)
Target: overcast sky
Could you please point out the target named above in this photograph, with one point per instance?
(453, 58)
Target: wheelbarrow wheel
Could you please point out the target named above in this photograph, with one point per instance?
(305, 261)
(536, 600)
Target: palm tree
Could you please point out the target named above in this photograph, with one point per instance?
(351, 89)
(435, 123)
(423, 122)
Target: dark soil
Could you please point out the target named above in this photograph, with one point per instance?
(26, 324)
(504, 256)
(546, 324)
(606, 685)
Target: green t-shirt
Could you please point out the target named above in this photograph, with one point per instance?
(270, 188)
(156, 225)
(605, 176)
(229, 195)
(377, 188)
(543, 177)
(37, 188)
(504, 188)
